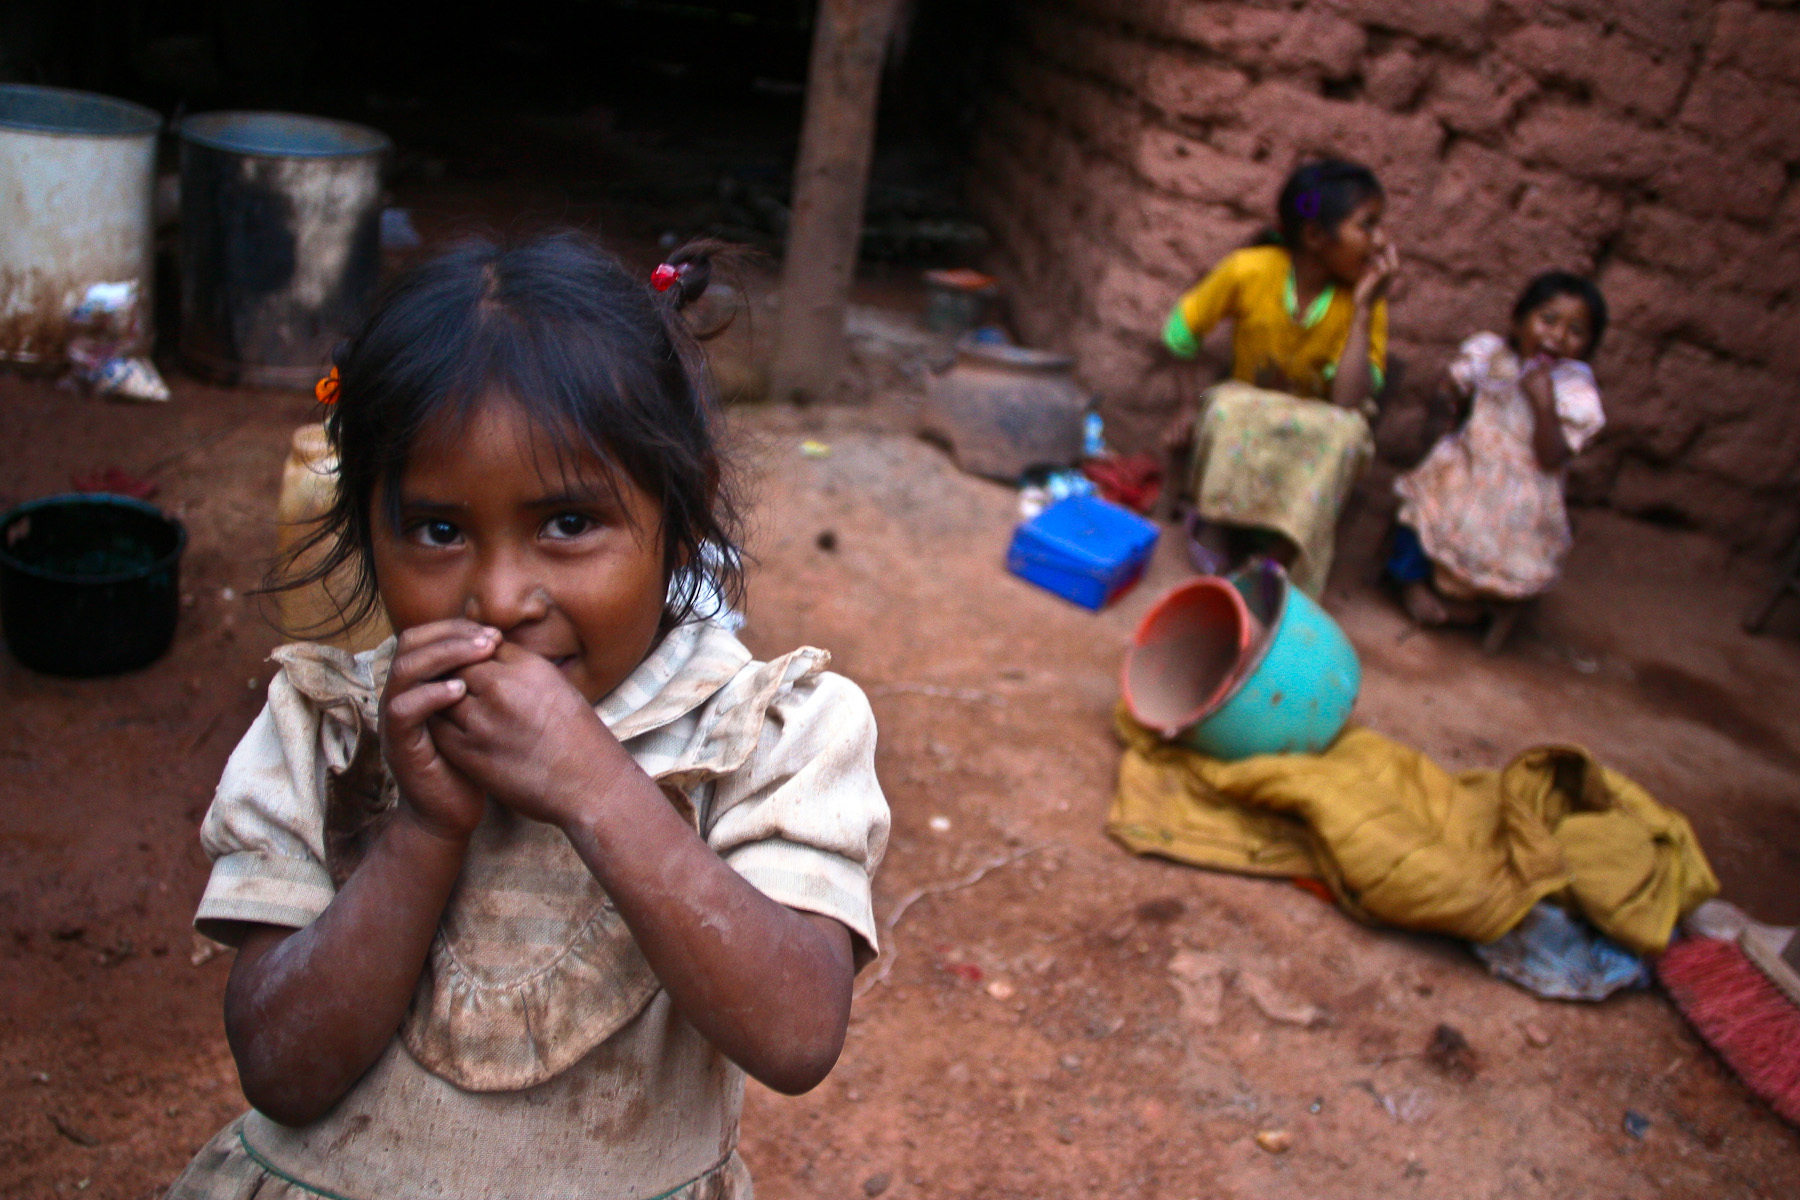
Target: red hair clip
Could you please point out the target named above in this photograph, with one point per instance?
(327, 388)
(665, 276)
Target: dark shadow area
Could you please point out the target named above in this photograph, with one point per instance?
(643, 117)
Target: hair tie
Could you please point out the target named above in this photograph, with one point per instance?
(327, 388)
(1307, 205)
(667, 276)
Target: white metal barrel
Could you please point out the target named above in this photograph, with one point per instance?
(76, 177)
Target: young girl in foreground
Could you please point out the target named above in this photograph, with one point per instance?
(518, 899)
(1482, 518)
(1275, 460)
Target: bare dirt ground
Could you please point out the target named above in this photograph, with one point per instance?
(1028, 1040)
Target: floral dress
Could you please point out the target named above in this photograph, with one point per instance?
(1268, 460)
(1489, 516)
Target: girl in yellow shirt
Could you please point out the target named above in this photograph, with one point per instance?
(1277, 450)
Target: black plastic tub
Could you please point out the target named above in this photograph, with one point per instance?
(89, 584)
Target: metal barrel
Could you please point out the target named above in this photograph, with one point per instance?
(280, 242)
(77, 171)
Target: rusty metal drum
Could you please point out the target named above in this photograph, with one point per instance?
(280, 242)
(77, 173)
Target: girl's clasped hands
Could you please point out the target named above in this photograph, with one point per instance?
(466, 715)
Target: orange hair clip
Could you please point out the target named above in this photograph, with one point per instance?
(327, 388)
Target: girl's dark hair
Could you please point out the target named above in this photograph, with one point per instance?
(1322, 193)
(1549, 286)
(603, 363)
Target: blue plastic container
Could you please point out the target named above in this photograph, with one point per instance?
(1295, 693)
(1084, 549)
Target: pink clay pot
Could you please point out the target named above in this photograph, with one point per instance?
(1186, 654)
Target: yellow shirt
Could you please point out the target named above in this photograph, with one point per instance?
(1255, 289)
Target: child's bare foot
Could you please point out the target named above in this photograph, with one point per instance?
(1423, 604)
(1430, 607)
(1500, 626)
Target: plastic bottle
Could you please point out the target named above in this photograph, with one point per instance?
(308, 488)
(1093, 435)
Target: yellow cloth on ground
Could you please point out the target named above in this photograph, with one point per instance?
(1267, 460)
(1253, 289)
(1400, 841)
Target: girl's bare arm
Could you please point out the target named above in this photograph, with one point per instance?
(1447, 410)
(308, 1011)
(1547, 440)
(1452, 397)
(1353, 384)
(769, 986)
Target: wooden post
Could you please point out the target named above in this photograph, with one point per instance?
(831, 182)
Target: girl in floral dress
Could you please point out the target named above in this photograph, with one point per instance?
(1482, 520)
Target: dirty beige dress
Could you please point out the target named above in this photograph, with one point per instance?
(1488, 515)
(540, 1058)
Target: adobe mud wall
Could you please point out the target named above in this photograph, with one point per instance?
(1656, 143)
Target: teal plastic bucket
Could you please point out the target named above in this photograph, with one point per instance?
(1298, 685)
